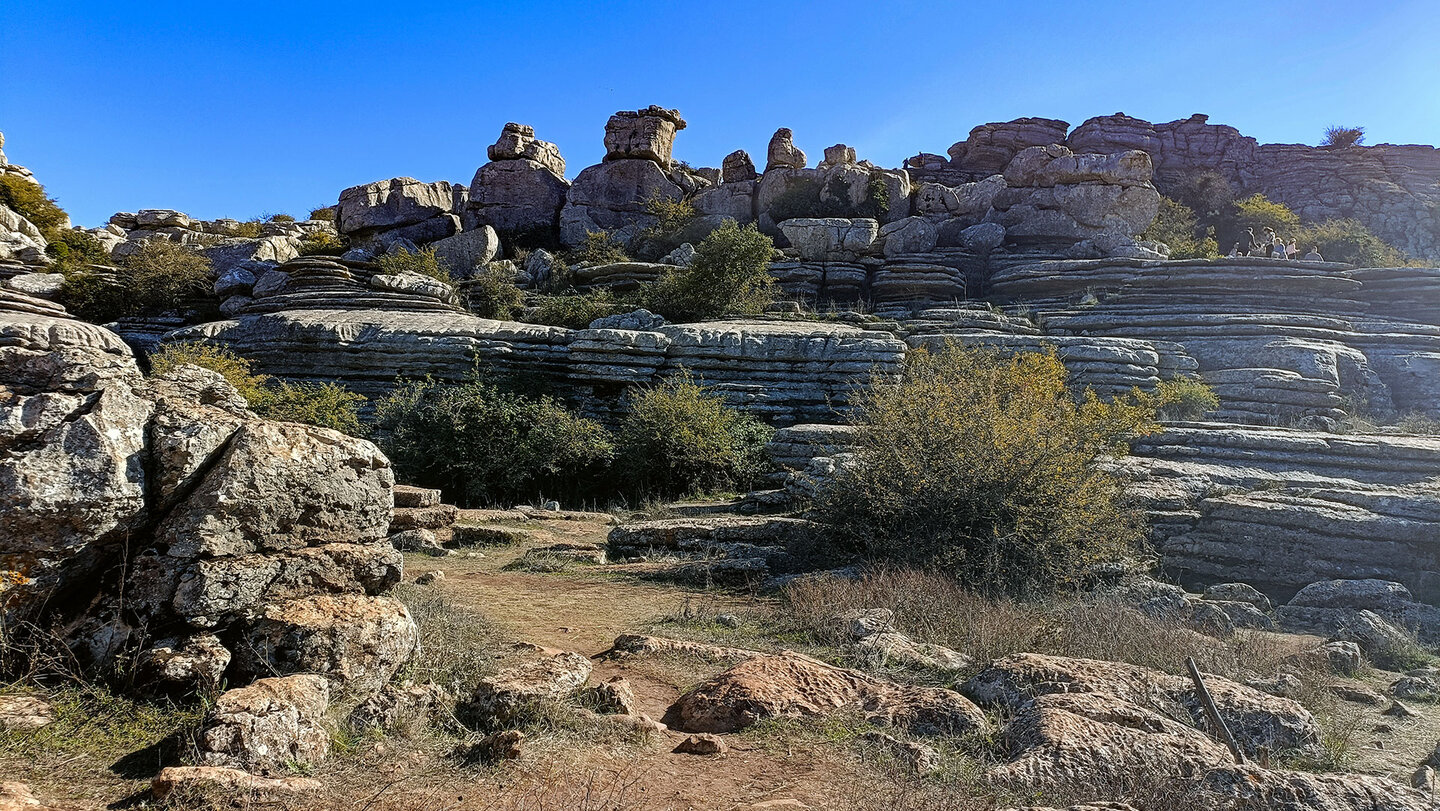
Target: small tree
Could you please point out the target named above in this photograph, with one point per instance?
(984, 464)
(492, 293)
(730, 276)
(678, 439)
(28, 199)
(1338, 136)
(600, 248)
(1346, 240)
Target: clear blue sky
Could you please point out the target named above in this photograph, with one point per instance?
(234, 109)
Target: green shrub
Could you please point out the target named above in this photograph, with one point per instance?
(730, 276)
(1257, 212)
(1177, 226)
(1339, 136)
(1186, 398)
(280, 218)
(29, 200)
(423, 262)
(482, 444)
(600, 248)
(326, 213)
(160, 277)
(72, 250)
(985, 465)
(1350, 242)
(328, 405)
(321, 243)
(492, 293)
(574, 311)
(678, 439)
(801, 199)
(249, 228)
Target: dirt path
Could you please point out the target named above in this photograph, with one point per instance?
(584, 610)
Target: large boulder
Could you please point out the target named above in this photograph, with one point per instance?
(647, 134)
(522, 189)
(1054, 197)
(358, 642)
(613, 197)
(390, 204)
(991, 146)
(789, 685)
(782, 152)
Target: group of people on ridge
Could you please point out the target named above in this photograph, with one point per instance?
(1272, 246)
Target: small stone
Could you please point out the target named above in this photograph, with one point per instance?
(493, 748)
(1399, 710)
(702, 744)
(429, 578)
(1424, 779)
(729, 621)
(614, 697)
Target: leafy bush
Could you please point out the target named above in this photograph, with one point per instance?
(1348, 241)
(423, 262)
(328, 405)
(1208, 194)
(1339, 136)
(482, 444)
(673, 218)
(321, 243)
(730, 276)
(29, 200)
(326, 213)
(600, 248)
(984, 464)
(280, 218)
(249, 228)
(574, 311)
(678, 439)
(160, 277)
(492, 293)
(1177, 226)
(1186, 399)
(72, 250)
(1258, 212)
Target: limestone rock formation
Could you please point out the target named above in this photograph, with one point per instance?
(648, 134)
(523, 187)
(789, 685)
(991, 147)
(782, 152)
(1054, 196)
(400, 208)
(269, 727)
(168, 491)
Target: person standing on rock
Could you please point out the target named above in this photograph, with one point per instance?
(1235, 251)
(1269, 246)
(1250, 245)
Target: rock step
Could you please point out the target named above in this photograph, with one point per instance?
(407, 496)
(439, 516)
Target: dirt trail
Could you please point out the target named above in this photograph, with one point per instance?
(584, 611)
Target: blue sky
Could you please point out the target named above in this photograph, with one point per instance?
(228, 109)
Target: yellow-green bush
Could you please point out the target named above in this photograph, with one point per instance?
(678, 439)
(328, 405)
(321, 243)
(492, 293)
(985, 465)
(1177, 226)
(72, 250)
(574, 311)
(160, 277)
(1186, 398)
(599, 248)
(730, 276)
(422, 262)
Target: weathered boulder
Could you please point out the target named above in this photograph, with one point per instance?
(789, 685)
(990, 147)
(613, 197)
(737, 168)
(358, 642)
(389, 204)
(831, 238)
(1054, 196)
(647, 134)
(20, 713)
(268, 727)
(549, 677)
(782, 152)
(908, 235)
(468, 250)
(518, 142)
(189, 783)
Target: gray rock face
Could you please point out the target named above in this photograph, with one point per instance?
(782, 152)
(648, 134)
(170, 492)
(737, 168)
(390, 204)
(518, 142)
(1054, 196)
(612, 197)
(466, 251)
(991, 147)
(831, 238)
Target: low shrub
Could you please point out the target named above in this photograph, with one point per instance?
(321, 243)
(160, 277)
(1256, 213)
(482, 444)
(1338, 136)
(1186, 398)
(280, 218)
(574, 311)
(492, 293)
(422, 262)
(249, 229)
(678, 439)
(328, 405)
(599, 248)
(28, 199)
(326, 213)
(1346, 240)
(1177, 226)
(72, 250)
(730, 276)
(984, 465)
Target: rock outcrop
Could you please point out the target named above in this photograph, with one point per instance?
(521, 190)
(222, 531)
